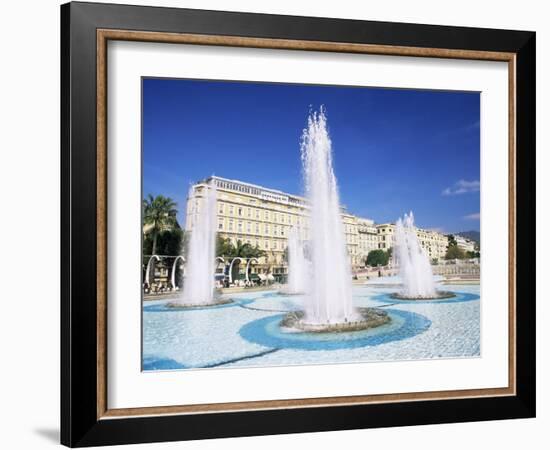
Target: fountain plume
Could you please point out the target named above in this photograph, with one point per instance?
(198, 288)
(414, 265)
(329, 297)
(297, 264)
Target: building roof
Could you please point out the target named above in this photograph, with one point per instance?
(256, 186)
(296, 198)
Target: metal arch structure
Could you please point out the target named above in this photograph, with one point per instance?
(248, 266)
(220, 260)
(231, 267)
(149, 268)
(173, 278)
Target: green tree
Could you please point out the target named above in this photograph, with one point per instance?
(306, 249)
(159, 214)
(169, 242)
(378, 258)
(245, 250)
(454, 252)
(451, 241)
(285, 255)
(226, 249)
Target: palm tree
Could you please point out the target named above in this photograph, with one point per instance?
(226, 249)
(159, 213)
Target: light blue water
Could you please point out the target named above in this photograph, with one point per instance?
(246, 332)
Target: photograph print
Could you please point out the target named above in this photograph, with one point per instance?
(296, 224)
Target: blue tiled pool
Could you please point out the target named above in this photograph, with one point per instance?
(247, 333)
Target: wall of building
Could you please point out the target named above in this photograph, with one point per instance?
(465, 244)
(434, 243)
(263, 217)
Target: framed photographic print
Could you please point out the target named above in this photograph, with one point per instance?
(276, 224)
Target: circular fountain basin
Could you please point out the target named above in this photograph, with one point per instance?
(368, 318)
(268, 332)
(459, 297)
(289, 293)
(215, 302)
(439, 295)
(395, 281)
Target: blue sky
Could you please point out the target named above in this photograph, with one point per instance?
(394, 150)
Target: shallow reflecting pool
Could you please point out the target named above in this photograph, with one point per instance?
(247, 332)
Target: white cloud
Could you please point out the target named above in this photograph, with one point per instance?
(474, 216)
(462, 187)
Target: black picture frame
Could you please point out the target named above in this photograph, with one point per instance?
(80, 425)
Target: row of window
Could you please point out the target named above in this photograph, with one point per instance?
(420, 234)
(256, 213)
(245, 211)
(259, 228)
(261, 244)
(242, 211)
(274, 230)
(258, 192)
(272, 245)
(237, 187)
(253, 227)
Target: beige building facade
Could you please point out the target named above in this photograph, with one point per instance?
(264, 217)
(368, 236)
(465, 244)
(434, 243)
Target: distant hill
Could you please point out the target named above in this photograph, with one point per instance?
(472, 235)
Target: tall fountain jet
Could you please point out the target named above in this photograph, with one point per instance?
(198, 288)
(329, 297)
(297, 264)
(414, 265)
